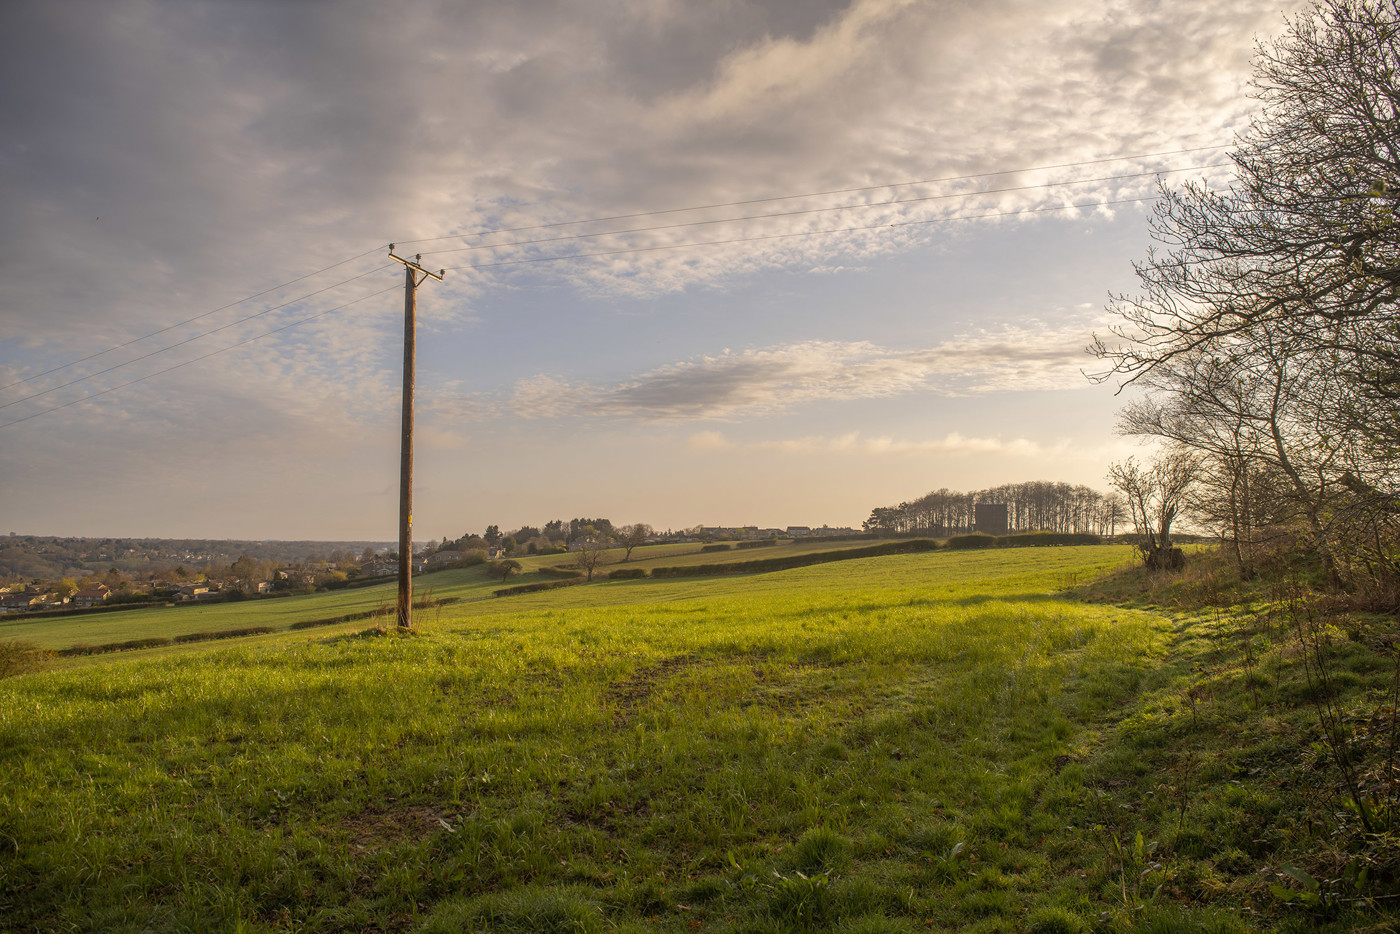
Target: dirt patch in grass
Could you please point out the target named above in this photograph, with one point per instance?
(370, 830)
(629, 693)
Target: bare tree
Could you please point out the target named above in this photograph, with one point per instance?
(630, 536)
(590, 549)
(1156, 495)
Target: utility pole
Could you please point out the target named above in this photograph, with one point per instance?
(404, 614)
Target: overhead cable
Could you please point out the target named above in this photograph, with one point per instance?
(801, 233)
(212, 353)
(190, 340)
(817, 194)
(199, 317)
(825, 210)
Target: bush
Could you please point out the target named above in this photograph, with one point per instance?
(19, 656)
(622, 574)
(975, 540)
(504, 569)
(129, 645)
(120, 599)
(554, 571)
(222, 634)
(1022, 540)
(535, 588)
(760, 565)
(718, 546)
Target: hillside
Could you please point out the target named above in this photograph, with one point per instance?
(939, 741)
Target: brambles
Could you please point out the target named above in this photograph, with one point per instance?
(19, 657)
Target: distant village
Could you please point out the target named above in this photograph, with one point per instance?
(144, 573)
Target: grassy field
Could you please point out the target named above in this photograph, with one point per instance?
(170, 622)
(927, 742)
(59, 632)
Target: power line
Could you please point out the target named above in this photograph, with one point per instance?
(212, 353)
(801, 233)
(742, 203)
(839, 207)
(817, 194)
(199, 317)
(188, 340)
(617, 252)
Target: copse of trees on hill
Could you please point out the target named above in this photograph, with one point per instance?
(553, 537)
(1032, 506)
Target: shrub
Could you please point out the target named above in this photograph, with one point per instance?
(19, 656)
(554, 571)
(536, 588)
(760, 565)
(718, 546)
(504, 569)
(975, 540)
(627, 574)
(222, 634)
(120, 599)
(129, 645)
(1023, 540)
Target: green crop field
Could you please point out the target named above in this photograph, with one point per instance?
(170, 622)
(59, 632)
(940, 741)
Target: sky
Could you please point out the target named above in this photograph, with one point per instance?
(726, 263)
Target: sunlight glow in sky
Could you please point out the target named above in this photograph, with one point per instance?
(790, 361)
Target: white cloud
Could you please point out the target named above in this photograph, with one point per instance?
(954, 444)
(709, 441)
(733, 385)
(162, 160)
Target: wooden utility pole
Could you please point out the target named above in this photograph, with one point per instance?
(404, 613)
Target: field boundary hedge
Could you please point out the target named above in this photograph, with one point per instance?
(1022, 540)
(551, 570)
(153, 642)
(536, 588)
(788, 562)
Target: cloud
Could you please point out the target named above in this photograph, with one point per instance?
(954, 443)
(709, 441)
(164, 160)
(734, 385)
(210, 148)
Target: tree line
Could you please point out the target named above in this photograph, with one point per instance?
(1265, 334)
(1032, 506)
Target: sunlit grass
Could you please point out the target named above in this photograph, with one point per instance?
(888, 744)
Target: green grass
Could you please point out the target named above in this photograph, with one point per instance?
(61, 632)
(891, 744)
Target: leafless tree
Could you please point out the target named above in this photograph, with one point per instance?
(630, 536)
(1156, 495)
(590, 549)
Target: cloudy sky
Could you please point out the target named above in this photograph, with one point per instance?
(736, 262)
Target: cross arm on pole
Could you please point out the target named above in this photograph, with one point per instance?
(414, 264)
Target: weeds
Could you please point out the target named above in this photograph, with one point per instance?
(20, 657)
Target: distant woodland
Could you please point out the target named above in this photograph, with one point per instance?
(1033, 506)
